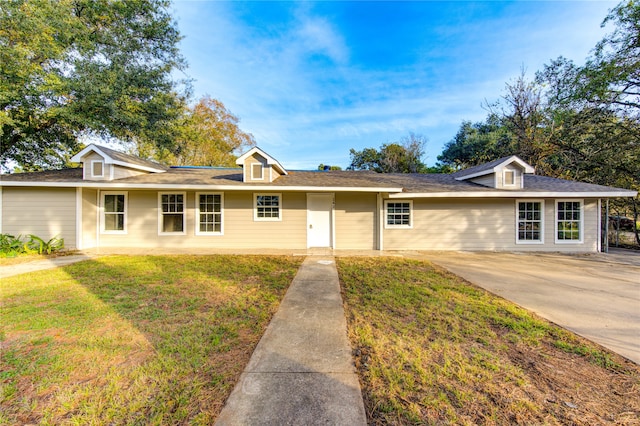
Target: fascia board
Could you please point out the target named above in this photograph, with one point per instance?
(109, 160)
(135, 166)
(174, 186)
(528, 169)
(514, 194)
(270, 160)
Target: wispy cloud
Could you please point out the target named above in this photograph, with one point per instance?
(297, 76)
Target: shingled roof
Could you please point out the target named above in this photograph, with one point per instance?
(401, 185)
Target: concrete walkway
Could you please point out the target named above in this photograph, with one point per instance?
(302, 371)
(39, 265)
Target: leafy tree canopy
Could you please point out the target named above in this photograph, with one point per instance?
(397, 157)
(79, 67)
(206, 134)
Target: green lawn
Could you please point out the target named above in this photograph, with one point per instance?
(133, 340)
(433, 349)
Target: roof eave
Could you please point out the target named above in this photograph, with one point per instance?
(203, 187)
(515, 194)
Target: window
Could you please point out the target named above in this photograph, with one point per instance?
(569, 221)
(209, 214)
(97, 168)
(114, 212)
(267, 207)
(530, 220)
(398, 214)
(257, 171)
(171, 213)
(509, 178)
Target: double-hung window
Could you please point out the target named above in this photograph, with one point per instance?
(114, 213)
(530, 222)
(171, 217)
(398, 214)
(569, 221)
(268, 207)
(209, 213)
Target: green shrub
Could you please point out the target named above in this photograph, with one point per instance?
(12, 246)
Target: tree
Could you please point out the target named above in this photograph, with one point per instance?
(397, 157)
(76, 67)
(323, 167)
(207, 134)
(477, 143)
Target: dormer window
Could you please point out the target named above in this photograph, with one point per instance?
(97, 168)
(257, 171)
(509, 178)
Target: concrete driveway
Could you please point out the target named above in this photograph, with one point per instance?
(596, 296)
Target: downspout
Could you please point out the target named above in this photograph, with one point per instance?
(98, 224)
(379, 221)
(599, 226)
(79, 218)
(606, 228)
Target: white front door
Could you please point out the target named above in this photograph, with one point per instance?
(319, 214)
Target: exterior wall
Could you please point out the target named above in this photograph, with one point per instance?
(356, 216)
(120, 172)
(89, 218)
(86, 167)
(44, 212)
(246, 169)
(487, 180)
(483, 224)
(240, 230)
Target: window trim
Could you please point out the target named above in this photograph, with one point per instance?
(161, 215)
(386, 214)
(197, 217)
(103, 194)
(255, 207)
(581, 222)
(253, 175)
(504, 177)
(517, 216)
(93, 163)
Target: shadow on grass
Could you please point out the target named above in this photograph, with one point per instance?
(158, 339)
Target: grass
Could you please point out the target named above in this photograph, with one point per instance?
(133, 340)
(432, 349)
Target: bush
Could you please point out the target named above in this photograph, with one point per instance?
(13, 246)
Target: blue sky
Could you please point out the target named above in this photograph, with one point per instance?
(312, 80)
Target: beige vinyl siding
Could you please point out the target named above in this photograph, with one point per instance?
(487, 180)
(517, 175)
(87, 159)
(248, 165)
(355, 221)
(482, 224)
(120, 172)
(44, 212)
(89, 217)
(240, 229)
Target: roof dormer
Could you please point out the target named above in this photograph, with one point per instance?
(258, 166)
(101, 163)
(504, 173)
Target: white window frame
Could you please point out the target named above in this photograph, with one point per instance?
(93, 163)
(197, 220)
(255, 207)
(103, 213)
(541, 240)
(581, 222)
(504, 177)
(161, 214)
(386, 214)
(254, 176)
